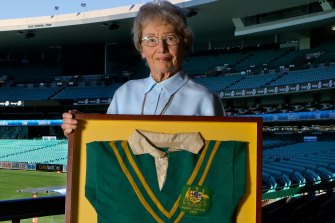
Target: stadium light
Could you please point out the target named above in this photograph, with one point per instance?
(56, 8)
(29, 35)
(113, 26)
(83, 5)
(131, 7)
(191, 13)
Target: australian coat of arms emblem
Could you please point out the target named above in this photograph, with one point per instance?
(195, 199)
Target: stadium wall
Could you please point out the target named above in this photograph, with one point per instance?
(33, 166)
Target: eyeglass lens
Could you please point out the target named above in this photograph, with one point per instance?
(153, 40)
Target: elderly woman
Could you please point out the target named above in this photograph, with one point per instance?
(162, 36)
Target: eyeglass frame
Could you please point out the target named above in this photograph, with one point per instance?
(146, 38)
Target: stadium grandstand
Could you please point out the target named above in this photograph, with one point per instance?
(269, 59)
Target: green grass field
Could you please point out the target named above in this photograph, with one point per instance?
(12, 181)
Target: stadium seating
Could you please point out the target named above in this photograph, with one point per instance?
(217, 84)
(207, 64)
(260, 59)
(215, 70)
(269, 144)
(311, 162)
(325, 53)
(80, 92)
(27, 93)
(309, 75)
(254, 81)
(34, 151)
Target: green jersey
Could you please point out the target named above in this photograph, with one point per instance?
(203, 187)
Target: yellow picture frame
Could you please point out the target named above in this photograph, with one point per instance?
(94, 127)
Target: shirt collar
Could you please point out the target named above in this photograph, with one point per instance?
(142, 142)
(170, 85)
(149, 83)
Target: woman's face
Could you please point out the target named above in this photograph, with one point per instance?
(163, 59)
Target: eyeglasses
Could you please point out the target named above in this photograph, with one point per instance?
(152, 41)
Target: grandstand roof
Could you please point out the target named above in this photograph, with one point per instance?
(214, 21)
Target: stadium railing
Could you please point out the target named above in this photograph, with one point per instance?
(15, 210)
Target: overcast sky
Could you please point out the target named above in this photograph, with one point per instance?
(10, 9)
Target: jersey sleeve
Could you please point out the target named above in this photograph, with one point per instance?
(240, 162)
(91, 181)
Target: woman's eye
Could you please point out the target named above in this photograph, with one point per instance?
(170, 38)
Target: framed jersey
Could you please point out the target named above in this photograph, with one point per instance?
(122, 168)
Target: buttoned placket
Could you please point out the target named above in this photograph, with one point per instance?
(164, 102)
(152, 99)
(191, 142)
(156, 101)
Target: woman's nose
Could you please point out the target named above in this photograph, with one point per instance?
(162, 46)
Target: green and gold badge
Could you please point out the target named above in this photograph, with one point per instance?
(195, 199)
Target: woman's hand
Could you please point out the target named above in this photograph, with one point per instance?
(69, 122)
